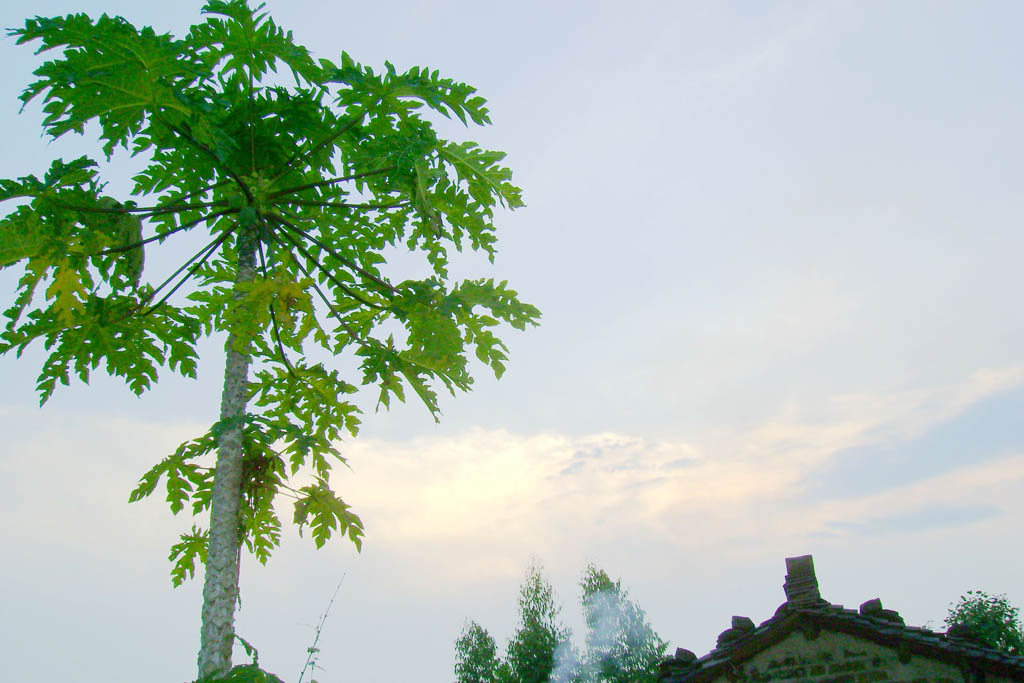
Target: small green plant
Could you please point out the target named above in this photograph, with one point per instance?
(313, 651)
(990, 619)
(252, 673)
(244, 673)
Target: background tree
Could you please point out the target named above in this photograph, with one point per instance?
(476, 655)
(302, 188)
(621, 646)
(990, 619)
(531, 655)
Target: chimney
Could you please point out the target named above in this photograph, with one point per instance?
(801, 585)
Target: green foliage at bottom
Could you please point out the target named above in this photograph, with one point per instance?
(244, 673)
(247, 673)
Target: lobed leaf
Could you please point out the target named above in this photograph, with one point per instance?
(184, 554)
(108, 71)
(325, 513)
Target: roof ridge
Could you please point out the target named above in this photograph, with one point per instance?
(810, 613)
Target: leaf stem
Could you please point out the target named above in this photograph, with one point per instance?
(273, 315)
(365, 341)
(205, 253)
(348, 262)
(330, 276)
(333, 181)
(213, 155)
(320, 145)
(342, 205)
(205, 190)
(152, 210)
(161, 236)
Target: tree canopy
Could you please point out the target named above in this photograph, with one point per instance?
(533, 651)
(621, 646)
(303, 182)
(476, 656)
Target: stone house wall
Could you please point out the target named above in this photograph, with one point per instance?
(841, 658)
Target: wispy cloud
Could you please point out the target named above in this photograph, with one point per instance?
(772, 48)
(982, 431)
(929, 517)
(485, 498)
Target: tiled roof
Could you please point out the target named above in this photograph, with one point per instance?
(808, 612)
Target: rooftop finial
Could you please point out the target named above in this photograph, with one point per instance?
(801, 584)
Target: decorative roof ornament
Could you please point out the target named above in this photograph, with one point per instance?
(801, 584)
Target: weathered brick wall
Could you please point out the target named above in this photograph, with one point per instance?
(841, 658)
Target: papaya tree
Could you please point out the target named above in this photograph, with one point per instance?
(304, 174)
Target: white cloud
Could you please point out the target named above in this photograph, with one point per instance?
(488, 498)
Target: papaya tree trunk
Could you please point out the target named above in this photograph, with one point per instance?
(220, 589)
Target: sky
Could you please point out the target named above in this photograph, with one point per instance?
(777, 249)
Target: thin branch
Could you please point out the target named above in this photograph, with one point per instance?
(161, 236)
(348, 262)
(333, 181)
(330, 276)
